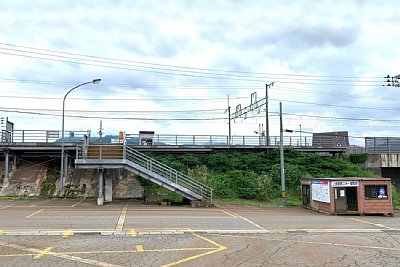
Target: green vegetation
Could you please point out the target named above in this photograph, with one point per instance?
(357, 158)
(48, 186)
(396, 199)
(254, 178)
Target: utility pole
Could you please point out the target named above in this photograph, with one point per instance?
(283, 186)
(393, 80)
(229, 123)
(266, 114)
(101, 132)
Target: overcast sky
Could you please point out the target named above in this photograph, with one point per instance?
(169, 66)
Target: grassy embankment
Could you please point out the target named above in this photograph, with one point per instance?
(254, 178)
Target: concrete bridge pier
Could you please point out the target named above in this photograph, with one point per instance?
(14, 165)
(100, 199)
(108, 189)
(6, 164)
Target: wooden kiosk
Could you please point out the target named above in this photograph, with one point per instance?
(347, 195)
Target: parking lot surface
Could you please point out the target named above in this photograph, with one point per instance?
(67, 232)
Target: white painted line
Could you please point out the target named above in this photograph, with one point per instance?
(245, 219)
(229, 213)
(316, 243)
(370, 223)
(76, 204)
(133, 232)
(121, 219)
(5, 207)
(33, 214)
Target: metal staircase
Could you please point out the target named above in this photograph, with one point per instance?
(122, 156)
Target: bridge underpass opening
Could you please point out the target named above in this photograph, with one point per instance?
(394, 173)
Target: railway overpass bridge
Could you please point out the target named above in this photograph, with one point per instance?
(46, 144)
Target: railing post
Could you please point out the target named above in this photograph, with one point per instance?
(101, 152)
(388, 144)
(176, 177)
(124, 151)
(23, 136)
(194, 141)
(176, 140)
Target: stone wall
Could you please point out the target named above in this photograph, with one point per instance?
(42, 179)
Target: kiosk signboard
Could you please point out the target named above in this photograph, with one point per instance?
(320, 191)
(345, 183)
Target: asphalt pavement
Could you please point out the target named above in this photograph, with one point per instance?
(68, 232)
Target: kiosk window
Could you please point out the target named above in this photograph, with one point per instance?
(376, 192)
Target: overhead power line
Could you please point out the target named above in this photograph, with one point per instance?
(65, 57)
(116, 111)
(190, 68)
(201, 119)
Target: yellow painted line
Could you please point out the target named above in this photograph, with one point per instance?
(33, 214)
(59, 255)
(230, 213)
(218, 249)
(193, 257)
(67, 233)
(76, 204)
(139, 248)
(121, 219)
(133, 232)
(43, 252)
(205, 239)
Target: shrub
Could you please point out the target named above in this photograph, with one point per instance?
(358, 158)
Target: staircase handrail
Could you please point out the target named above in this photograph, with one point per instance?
(167, 172)
(131, 155)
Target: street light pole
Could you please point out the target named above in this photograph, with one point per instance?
(62, 172)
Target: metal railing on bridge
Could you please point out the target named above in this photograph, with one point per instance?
(382, 144)
(54, 136)
(43, 136)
